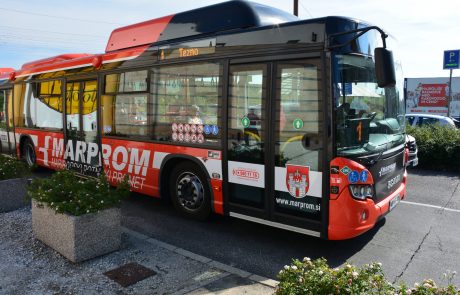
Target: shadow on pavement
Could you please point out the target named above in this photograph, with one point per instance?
(250, 246)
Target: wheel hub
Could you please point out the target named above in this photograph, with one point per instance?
(190, 191)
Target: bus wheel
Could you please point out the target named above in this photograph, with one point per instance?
(190, 192)
(28, 151)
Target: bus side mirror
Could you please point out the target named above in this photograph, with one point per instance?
(384, 67)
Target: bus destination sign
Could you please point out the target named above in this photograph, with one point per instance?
(189, 49)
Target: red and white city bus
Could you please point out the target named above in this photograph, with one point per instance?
(236, 108)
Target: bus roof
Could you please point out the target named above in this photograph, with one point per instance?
(5, 73)
(222, 17)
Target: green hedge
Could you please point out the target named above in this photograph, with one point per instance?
(315, 277)
(65, 191)
(12, 168)
(438, 147)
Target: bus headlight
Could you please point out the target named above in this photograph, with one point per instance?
(361, 192)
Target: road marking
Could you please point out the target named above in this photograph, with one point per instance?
(431, 206)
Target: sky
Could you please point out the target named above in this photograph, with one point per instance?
(31, 30)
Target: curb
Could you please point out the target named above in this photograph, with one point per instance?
(205, 260)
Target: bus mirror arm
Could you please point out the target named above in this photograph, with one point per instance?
(360, 33)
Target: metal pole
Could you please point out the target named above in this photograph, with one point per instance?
(450, 94)
(296, 7)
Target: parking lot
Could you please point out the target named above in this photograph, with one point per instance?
(419, 239)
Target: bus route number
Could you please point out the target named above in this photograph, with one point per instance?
(359, 130)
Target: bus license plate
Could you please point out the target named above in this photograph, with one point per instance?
(394, 202)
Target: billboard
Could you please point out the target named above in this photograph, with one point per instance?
(430, 96)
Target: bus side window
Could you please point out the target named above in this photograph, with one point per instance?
(125, 104)
(187, 103)
(3, 109)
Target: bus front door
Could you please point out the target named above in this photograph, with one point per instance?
(82, 141)
(275, 144)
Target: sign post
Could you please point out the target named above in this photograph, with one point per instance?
(451, 62)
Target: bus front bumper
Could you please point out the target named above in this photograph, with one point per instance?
(349, 218)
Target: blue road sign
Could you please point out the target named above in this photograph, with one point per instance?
(451, 59)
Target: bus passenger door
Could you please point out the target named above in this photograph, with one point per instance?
(82, 141)
(5, 140)
(247, 139)
(298, 147)
(275, 145)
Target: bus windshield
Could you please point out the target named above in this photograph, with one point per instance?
(369, 119)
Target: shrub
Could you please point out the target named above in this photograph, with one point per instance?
(66, 192)
(315, 277)
(438, 147)
(12, 168)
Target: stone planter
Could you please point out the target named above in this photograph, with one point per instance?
(78, 238)
(13, 193)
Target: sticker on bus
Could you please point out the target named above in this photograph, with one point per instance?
(297, 180)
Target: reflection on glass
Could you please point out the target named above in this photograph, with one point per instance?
(298, 116)
(124, 106)
(246, 134)
(188, 95)
(89, 110)
(73, 108)
(2, 110)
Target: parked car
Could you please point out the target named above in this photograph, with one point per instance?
(457, 122)
(428, 119)
(411, 144)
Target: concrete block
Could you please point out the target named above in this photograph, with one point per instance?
(78, 238)
(13, 193)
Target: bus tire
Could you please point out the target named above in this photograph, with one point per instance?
(28, 152)
(189, 191)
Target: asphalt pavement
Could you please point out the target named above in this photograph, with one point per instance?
(419, 239)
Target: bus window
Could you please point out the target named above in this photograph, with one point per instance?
(17, 106)
(246, 134)
(2, 109)
(4, 142)
(89, 110)
(299, 115)
(9, 98)
(73, 107)
(44, 109)
(187, 103)
(125, 104)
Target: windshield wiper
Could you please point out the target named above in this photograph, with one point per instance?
(375, 160)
